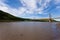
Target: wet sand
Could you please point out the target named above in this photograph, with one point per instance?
(29, 31)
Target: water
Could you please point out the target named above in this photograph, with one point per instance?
(28, 31)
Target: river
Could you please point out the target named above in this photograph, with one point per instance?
(29, 31)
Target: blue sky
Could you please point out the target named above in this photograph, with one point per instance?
(31, 9)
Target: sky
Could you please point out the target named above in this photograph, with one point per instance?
(33, 9)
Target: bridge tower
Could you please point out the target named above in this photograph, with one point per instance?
(50, 17)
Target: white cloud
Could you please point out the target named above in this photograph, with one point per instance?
(29, 6)
(32, 6)
(8, 9)
(43, 5)
(3, 6)
(57, 1)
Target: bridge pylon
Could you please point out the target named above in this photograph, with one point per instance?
(50, 17)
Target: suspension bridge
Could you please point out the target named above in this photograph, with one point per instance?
(50, 17)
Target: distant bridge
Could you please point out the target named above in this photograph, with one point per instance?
(50, 17)
(53, 18)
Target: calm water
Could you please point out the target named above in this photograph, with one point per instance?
(28, 31)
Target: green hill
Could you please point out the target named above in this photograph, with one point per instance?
(8, 17)
(4, 17)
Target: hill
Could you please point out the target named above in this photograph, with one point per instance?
(4, 17)
(8, 17)
(43, 20)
